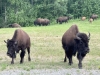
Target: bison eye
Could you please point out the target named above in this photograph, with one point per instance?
(81, 42)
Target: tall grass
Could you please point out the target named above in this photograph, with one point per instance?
(46, 47)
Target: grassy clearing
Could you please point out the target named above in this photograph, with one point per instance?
(46, 48)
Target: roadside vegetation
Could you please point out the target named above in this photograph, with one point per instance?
(25, 12)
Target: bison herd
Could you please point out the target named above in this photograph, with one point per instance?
(73, 42)
(41, 21)
(91, 18)
(60, 20)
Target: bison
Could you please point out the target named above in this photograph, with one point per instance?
(94, 16)
(47, 21)
(41, 21)
(62, 19)
(14, 25)
(19, 41)
(90, 20)
(75, 42)
(83, 18)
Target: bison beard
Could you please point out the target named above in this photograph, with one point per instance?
(75, 42)
(19, 41)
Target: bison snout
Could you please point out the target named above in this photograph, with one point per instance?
(87, 50)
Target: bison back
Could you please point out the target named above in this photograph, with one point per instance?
(70, 34)
(15, 25)
(21, 37)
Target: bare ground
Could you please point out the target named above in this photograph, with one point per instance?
(51, 72)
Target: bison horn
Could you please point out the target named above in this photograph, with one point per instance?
(77, 37)
(5, 41)
(89, 36)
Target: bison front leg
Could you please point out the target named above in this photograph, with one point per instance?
(28, 50)
(22, 54)
(80, 58)
(12, 62)
(70, 60)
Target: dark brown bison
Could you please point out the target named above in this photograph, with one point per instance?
(14, 25)
(75, 42)
(47, 21)
(19, 41)
(94, 16)
(62, 19)
(41, 21)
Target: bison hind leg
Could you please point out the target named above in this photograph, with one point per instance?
(65, 58)
(65, 49)
(28, 50)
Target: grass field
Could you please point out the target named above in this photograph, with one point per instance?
(46, 47)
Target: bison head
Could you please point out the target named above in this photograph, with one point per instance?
(12, 46)
(82, 41)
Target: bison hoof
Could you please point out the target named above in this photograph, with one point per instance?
(12, 62)
(71, 63)
(80, 66)
(21, 62)
(29, 59)
(64, 60)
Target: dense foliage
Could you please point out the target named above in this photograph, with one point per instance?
(25, 12)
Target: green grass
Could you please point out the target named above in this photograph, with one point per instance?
(46, 47)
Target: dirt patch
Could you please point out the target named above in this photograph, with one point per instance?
(51, 72)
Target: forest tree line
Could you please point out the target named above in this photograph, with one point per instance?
(25, 12)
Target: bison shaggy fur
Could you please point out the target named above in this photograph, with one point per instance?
(62, 19)
(75, 42)
(14, 25)
(41, 21)
(94, 16)
(19, 41)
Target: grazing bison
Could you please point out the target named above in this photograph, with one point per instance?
(90, 20)
(15, 25)
(83, 18)
(19, 41)
(41, 21)
(47, 21)
(62, 19)
(94, 16)
(75, 42)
